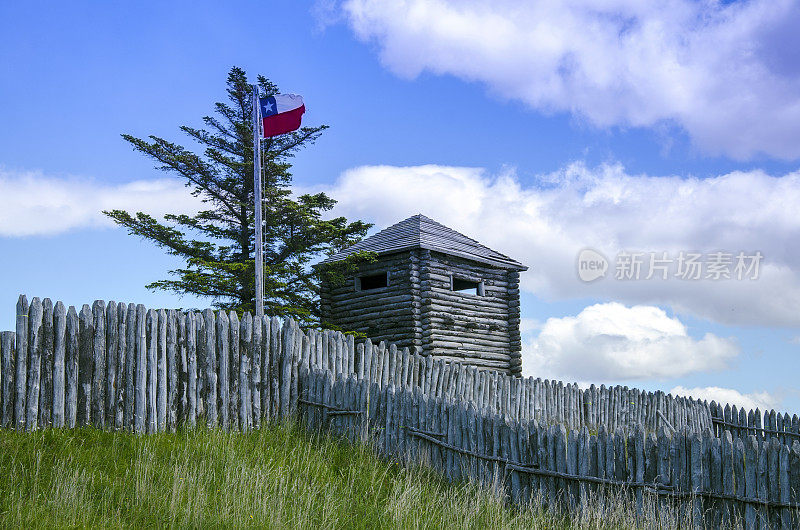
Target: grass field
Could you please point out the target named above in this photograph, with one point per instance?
(281, 477)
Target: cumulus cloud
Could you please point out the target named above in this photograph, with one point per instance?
(727, 73)
(761, 400)
(609, 342)
(547, 223)
(35, 204)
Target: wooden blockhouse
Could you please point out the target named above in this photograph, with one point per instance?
(434, 291)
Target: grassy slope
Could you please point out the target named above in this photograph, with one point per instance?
(279, 477)
(276, 477)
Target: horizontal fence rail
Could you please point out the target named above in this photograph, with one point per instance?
(122, 366)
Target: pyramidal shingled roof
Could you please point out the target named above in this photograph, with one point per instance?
(423, 232)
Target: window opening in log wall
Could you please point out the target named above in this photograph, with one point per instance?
(372, 281)
(467, 286)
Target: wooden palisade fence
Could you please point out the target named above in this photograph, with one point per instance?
(715, 482)
(741, 422)
(121, 366)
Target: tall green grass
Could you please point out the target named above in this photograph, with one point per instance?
(279, 477)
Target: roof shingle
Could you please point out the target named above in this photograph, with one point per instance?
(420, 231)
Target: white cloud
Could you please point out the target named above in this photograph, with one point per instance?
(761, 400)
(610, 342)
(546, 224)
(726, 73)
(35, 204)
(527, 325)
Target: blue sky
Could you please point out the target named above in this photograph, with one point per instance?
(535, 138)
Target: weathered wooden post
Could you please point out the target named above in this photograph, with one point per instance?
(286, 365)
(112, 343)
(740, 478)
(8, 367)
(161, 372)
(209, 392)
(572, 487)
(276, 336)
(294, 388)
(71, 364)
(223, 364)
(266, 385)
(46, 388)
(59, 362)
(85, 367)
(131, 336)
(122, 351)
(727, 477)
(98, 403)
(245, 348)
(21, 377)
(151, 404)
(697, 478)
(172, 370)
(140, 389)
(199, 323)
(183, 370)
(255, 370)
(783, 483)
(191, 363)
(794, 477)
(774, 447)
(235, 359)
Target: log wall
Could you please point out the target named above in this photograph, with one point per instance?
(419, 309)
(387, 313)
(479, 330)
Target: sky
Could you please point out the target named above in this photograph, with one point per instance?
(614, 139)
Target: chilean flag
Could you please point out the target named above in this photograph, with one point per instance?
(281, 113)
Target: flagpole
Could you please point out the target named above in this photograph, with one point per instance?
(259, 257)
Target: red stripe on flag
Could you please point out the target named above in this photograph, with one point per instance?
(284, 122)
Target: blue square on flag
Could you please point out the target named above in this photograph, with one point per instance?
(268, 106)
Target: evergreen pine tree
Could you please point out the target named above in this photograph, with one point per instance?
(218, 243)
